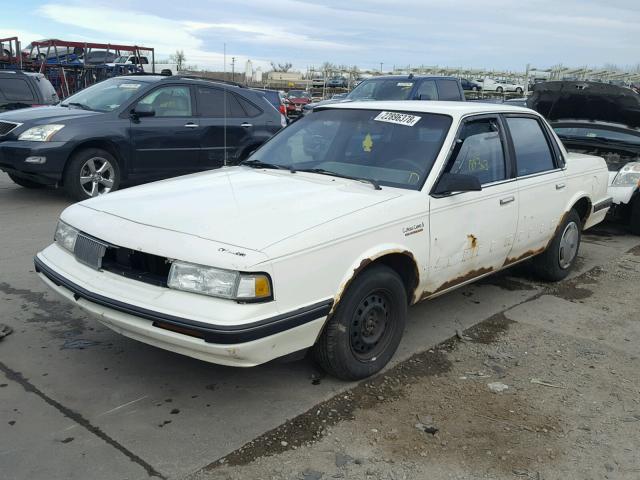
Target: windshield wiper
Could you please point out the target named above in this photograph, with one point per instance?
(261, 164)
(322, 171)
(76, 104)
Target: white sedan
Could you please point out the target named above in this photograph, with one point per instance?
(325, 236)
(501, 87)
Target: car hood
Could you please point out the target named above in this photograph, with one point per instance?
(44, 114)
(591, 101)
(329, 102)
(240, 206)
(301, 101)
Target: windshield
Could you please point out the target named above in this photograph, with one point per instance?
(298, 94)
(105, 96)
(122, 59)
(598, 134)
(384, 89)
(390, 148)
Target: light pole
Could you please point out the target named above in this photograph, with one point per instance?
(233, 69)
(381, 67)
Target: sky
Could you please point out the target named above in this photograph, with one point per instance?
(505, 35)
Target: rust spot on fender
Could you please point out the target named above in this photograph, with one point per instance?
(473, 241)
(368, 261)
(456, 281)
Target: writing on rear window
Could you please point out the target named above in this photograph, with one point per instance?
(398, 118)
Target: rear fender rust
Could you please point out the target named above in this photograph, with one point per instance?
(367, 261)
(470, 275)
(528, 254)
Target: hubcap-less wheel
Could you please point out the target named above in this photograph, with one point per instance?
(568, 245)
(369, 332)
(97, 176)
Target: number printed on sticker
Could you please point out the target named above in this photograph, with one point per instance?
(398, 118)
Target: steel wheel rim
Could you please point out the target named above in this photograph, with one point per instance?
(370, 328)
(568, 245)
(97, 176)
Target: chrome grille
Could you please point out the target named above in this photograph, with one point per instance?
(7, 127)
(89, 251)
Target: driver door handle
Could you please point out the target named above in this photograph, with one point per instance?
(191, 125)
(246, 125)
(506, 200)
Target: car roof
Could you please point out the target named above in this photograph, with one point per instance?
(455, 109)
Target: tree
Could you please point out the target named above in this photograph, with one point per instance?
(178, 58)
(281, 67)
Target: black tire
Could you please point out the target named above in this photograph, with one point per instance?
(78, 167)
(519, 91)
(558, 259)
(363, 333)
(634, 218)
(499, 90)
(23, 182)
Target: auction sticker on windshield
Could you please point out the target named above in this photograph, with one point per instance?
(398, 118)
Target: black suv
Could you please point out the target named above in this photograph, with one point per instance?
(20, 89)
(401, 87)
(133, 129)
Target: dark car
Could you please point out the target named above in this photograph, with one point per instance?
(604, 120)
(133, 129)
(470, 85)
(397, 87)
(20, 89)
(275, 98)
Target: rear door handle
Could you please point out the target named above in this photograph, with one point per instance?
(560, 186)
(246, 125)
(191, 125)
(506, 200)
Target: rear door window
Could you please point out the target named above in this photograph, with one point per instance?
(533, 154)
(448, 90)
(427, 90)
(16, 89)
(215, 102)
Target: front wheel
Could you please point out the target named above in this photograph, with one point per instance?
(558, 259)
(90, 173)
(499, 90)
(363, 333)
(519, 91)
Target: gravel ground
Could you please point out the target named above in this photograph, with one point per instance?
(548, 389)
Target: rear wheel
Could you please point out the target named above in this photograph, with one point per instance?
(519, 91)
(23, 182)
(90, 173)
(499, 90)
(634, 219)
(556, 262)
(364, 332)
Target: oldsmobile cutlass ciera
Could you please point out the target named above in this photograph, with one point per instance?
(325, 235)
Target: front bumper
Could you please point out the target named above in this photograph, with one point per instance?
(243, 343)
(13, 154)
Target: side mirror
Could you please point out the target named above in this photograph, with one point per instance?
(144, 110)
(457, 182)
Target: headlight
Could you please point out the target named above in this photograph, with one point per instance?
(41, 133)
(219, 283)
(628, 175)
(66, 236)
